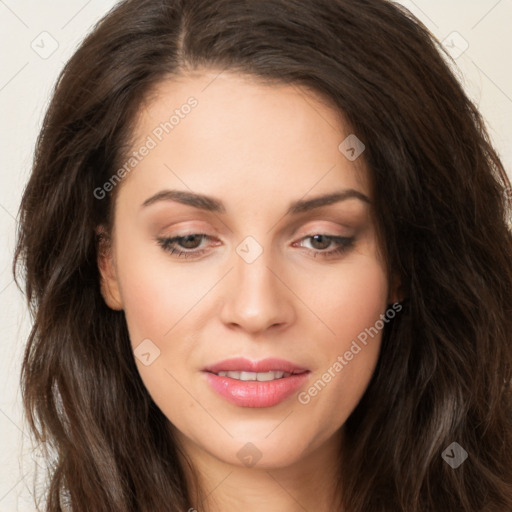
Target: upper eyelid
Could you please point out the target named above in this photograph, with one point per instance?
(214, 233)
(346, 218)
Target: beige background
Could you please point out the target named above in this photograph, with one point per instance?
(29, 32)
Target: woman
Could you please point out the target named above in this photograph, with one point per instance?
(267, 249)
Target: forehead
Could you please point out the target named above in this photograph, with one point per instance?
(231, 135)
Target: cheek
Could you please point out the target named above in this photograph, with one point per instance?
(161, 302)
(352, 308)
(155, 294)
(351, 300)
(156, 299)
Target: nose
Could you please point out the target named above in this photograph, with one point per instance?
(255, 298)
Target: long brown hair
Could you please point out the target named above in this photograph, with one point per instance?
(445, 369)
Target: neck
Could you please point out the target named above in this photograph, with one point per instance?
(310, 483)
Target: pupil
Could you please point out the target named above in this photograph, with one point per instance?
(318, 238)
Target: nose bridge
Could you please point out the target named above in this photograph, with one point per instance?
(254, 298)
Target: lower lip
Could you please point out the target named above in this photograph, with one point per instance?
(255, 393)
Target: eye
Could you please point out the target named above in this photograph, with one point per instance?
(184, 245)
(320, 242)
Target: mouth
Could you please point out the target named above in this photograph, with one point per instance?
(258, 376)
(262, 383)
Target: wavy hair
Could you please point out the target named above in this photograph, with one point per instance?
(444, 373)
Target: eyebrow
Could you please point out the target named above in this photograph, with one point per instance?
(212, 204)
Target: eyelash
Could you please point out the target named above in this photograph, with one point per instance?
(169, 245)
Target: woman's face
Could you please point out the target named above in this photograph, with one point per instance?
(266, 268)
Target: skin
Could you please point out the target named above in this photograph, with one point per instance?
(257, 148)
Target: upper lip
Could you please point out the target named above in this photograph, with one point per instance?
(264, 365)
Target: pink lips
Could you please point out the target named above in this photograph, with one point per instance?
(256, 393)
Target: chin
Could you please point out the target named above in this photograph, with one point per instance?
(270, 452)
